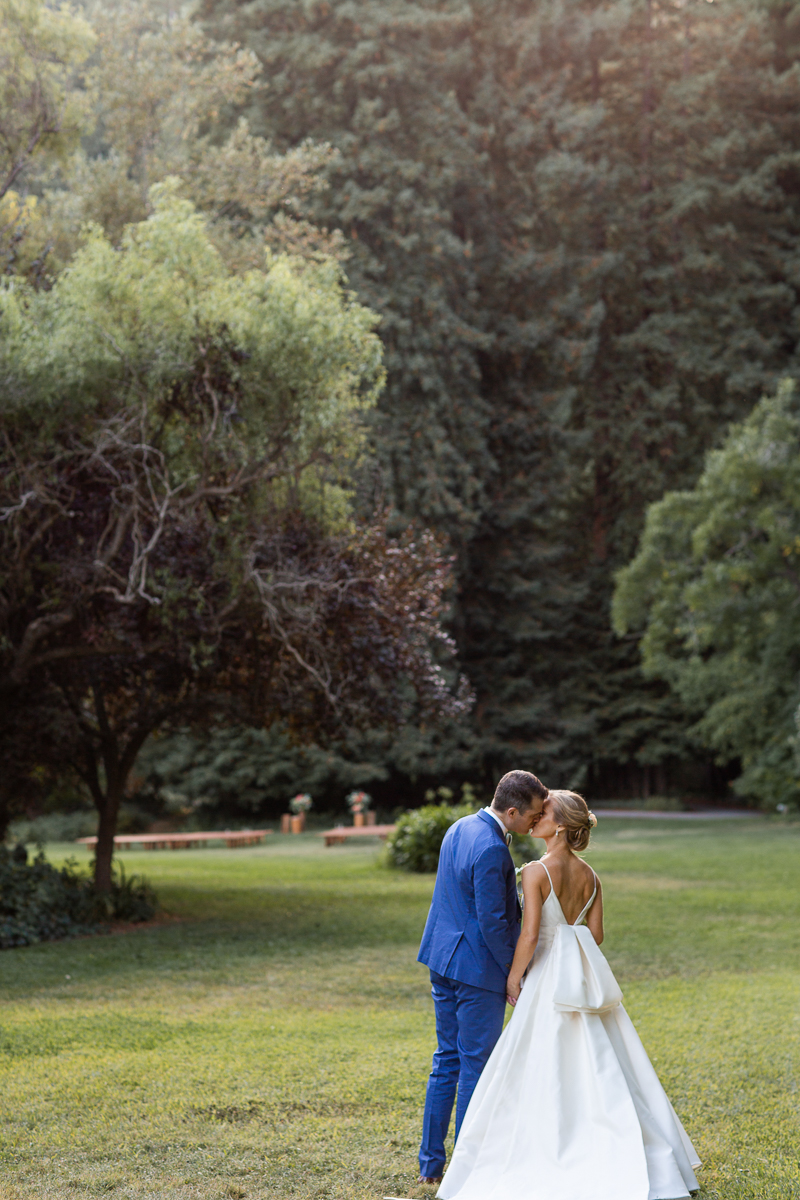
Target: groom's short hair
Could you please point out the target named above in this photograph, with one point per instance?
(518, 789)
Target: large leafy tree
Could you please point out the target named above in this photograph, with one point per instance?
(175, 539)
(715, 592)
(579, 226)
(41, 111)
(153, 100)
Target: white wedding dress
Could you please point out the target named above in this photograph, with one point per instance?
(568, 1106)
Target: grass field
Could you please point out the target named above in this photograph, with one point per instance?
(272, 1039)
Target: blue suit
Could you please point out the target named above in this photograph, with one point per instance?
(468, 944)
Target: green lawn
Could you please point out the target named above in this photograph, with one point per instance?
(273, 1039)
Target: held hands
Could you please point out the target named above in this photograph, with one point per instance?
(513, 989)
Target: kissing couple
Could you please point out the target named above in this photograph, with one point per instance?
(563, 1104)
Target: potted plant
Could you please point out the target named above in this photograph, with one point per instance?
(358, 803)
(298, 807)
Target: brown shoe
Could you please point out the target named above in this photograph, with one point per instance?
(430, 1179)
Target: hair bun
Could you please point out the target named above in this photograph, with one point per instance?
(592, 819)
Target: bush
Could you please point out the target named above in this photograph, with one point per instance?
(40, 902)
(417, 840)
(55, 827)
(415, 844)
(238, 773)
(131, 898)
(524, 849)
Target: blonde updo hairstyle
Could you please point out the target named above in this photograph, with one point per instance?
(572, 813)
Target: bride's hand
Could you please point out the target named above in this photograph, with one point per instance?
(513, 989)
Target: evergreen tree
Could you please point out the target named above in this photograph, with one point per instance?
(579, 225)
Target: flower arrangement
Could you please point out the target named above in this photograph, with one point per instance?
(300, 803)
(359, 802)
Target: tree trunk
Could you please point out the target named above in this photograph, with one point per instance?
(633, 781)
(118, 762)
(107, 827)
(5, 814)
(118, 768)
(661, 779)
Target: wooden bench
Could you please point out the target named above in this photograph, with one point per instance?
(340, 833)
(183, 841)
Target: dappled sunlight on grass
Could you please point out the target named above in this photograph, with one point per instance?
(273, 1038)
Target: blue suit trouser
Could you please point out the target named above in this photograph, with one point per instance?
(469, 1020)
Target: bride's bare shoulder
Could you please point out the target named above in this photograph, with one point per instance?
(534, 878)
(588, 874)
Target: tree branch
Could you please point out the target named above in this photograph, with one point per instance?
(38, 629)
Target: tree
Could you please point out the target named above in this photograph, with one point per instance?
(412, 189)
(176, 542)
(154, 97)
(41, 112)
(580, 227)
(247, 771)
(715, 587)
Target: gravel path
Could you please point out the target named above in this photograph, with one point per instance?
(707, 814)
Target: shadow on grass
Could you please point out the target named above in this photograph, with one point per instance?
(678, 901)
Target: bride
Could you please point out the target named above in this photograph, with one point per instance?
(568, 1106)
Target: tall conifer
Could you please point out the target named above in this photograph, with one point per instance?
(580, 226)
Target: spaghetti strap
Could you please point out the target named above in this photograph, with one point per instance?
(586, 906)
(590, 902)
(547, 873)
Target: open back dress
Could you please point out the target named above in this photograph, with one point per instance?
(569, 1107)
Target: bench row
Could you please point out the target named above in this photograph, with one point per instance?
(234, 837)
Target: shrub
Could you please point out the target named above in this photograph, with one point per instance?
(415, 844)
(131, 897)
(55, 827)
(417, 840)
(524, 849)
(40, 902)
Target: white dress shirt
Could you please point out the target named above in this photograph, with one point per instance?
(499, 820)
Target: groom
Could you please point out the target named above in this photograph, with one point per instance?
(468, 944)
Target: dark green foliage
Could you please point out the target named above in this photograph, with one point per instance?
(243, 771)
(716, 590)
(225, 576)
(415, 844)
(131, 899)
(39, 902)
(580, 226)
(54, 827)
(525, 849)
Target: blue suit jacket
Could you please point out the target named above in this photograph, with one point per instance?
(473, 924)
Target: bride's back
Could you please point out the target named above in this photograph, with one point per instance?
(573, 883)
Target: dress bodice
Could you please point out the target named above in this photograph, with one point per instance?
(553, 913)
(552, 917)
